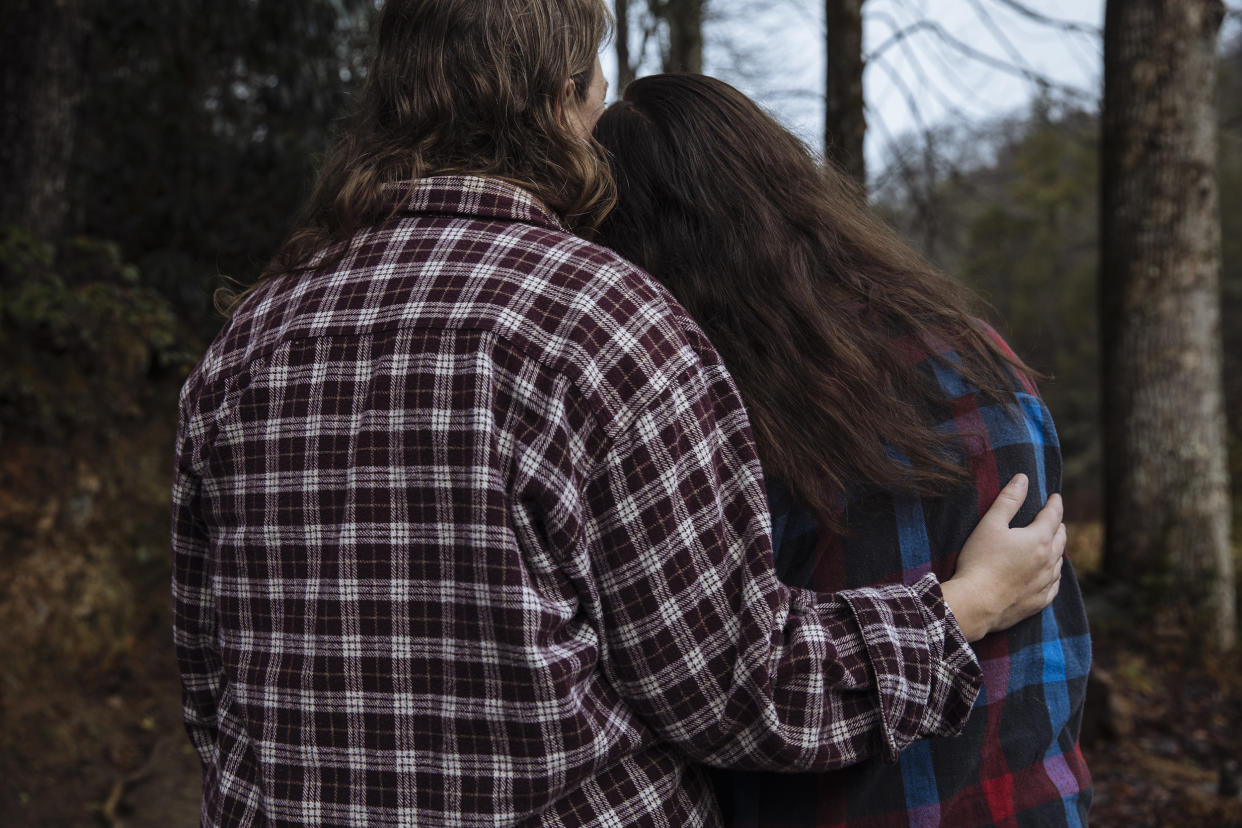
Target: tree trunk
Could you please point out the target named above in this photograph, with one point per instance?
(39, 80)
(684, 22)
(845, 124)
(1166, 481)
(625, 69)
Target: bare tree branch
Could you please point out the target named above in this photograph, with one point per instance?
(1093, 50)
(925, 79)
(1064, 25)
(917, 189)
(999, 35)
(898, 36)
(949, 67)
(799, 8)
(912, 102)
(1040, 80)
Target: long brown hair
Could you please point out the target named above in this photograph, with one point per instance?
(801, 288)
(462, 86)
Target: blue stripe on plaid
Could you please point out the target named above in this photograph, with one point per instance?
(1055, 667)
(1051, 664)
(912, 538)
(951, 382)
(1004, 429)
(918, 774)
(1000, 771)
(1071, 811)
(1048, 661)
(1036, 428)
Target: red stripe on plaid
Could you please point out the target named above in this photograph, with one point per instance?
(1008, 736)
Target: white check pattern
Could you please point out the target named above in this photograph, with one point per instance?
(469, 529)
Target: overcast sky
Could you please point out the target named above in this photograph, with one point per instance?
(773, 50)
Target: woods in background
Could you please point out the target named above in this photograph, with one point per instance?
(149, 150)
(155, 150)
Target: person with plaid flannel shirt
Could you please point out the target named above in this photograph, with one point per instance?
(888, 418)
(468, 522)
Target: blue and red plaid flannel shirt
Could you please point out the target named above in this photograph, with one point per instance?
(469, 529)
(1018, 762)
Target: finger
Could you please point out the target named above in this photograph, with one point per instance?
(1053, 590)
(1049, 576)
(1055, 572)
(1059, 541)
(1009, 501)
(1050, 516)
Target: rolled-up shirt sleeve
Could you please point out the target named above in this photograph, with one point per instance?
(711, 650)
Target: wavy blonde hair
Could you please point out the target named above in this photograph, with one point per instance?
(468, 87)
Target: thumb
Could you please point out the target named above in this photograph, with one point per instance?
(1049, 517)
(1009, 501)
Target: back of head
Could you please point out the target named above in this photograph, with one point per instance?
(698, 165)
(469, 86)
(464, 87)
(798, 284)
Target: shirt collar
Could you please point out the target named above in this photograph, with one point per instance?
(474, 197)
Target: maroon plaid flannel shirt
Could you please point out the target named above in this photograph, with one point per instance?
(469, 528)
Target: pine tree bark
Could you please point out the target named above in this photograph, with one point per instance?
(625, 69)
(845, 122)
(40, 84)
(1166, 476)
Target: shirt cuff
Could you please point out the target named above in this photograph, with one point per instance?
(926, 674)
(957, 677)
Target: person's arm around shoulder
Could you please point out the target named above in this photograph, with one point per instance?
(712, 651)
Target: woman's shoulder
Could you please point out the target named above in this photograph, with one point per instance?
(957, 361)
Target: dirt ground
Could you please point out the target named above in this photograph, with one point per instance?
(1163, 732)
(104, 747)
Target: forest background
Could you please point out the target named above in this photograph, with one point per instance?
(175, 142)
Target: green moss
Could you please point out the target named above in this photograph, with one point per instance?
(80, 334)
